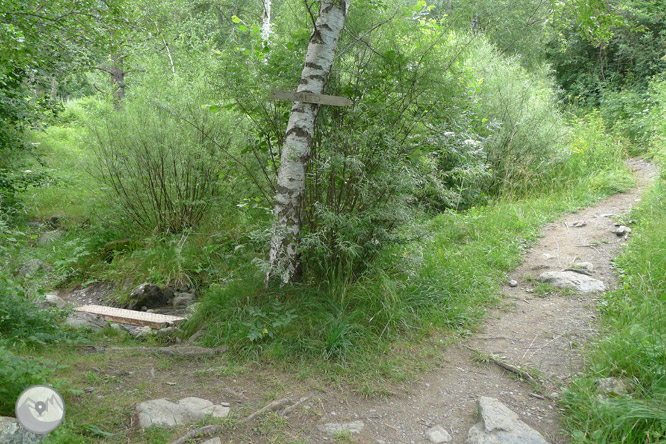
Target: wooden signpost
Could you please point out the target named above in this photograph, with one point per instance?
(307, 97)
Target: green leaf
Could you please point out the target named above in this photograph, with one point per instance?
(243, 28)
(235, 19)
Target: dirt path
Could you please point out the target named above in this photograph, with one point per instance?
(543, 333)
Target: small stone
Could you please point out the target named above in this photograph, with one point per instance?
(89, 389)
(500, 425)
(333, 428)
(612, 386)
(162, 412)
(579, 223)
(554, 395)
(622, 231)
(438, 435)
(571, 279)
(513, 283)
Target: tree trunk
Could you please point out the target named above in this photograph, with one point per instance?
(266, 26)
(118, 76)
(284, 262)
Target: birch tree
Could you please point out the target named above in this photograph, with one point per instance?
(283, 257)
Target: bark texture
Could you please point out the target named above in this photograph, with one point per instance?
(283, 257)
(266, 26)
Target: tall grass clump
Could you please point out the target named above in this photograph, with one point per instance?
(633, 344)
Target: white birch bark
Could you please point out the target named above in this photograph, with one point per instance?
(266, 26)
(283, 257)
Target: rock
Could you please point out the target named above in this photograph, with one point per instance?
(168, 335)
(612, 386)
(86, 320)
(55, 221)
(48, 237)
(438, 435)
(554, 395)
(334, 428)
(11, 432)
(622, 230)
(213, 441)
(579, 223)
(148, 295)
(183, 300)
(162, 412)
(31, 267)
(513, 283)
(52, 300)
(500, 425)
(138, 332)
(571, 279)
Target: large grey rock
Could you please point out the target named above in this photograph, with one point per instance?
(149, 296)
(213, 441)
(11, 432)
(183, 299)
(571, 279)
(622, 231)
(334, 428)
(53, 300)
(165, 413)
(612, 386)
(86, 320)
(49, 237)
(438, 435)
(500, 425)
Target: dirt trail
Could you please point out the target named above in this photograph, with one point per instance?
(541, 333)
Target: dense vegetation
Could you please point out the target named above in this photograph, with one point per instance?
(472, 124)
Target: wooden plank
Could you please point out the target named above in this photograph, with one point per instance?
(131, 317)
(307, 97)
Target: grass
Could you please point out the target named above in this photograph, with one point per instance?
(632, 344)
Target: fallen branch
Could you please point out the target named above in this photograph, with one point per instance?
(506, 366)
(287, 410)
(203, 432)
(271, 406)
(174, 350)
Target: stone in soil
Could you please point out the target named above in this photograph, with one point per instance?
(438, 435)
(513, 283)
(571, 279)
(334, 428)
(500, 425)
(11, 432)
(162, 412)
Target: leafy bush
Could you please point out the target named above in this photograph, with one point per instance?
(21, 321)
(18, 373)
(161, 158)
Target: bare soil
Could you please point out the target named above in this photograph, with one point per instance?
(543, 334)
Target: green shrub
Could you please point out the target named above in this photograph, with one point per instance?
(21, 321)
(17, 373)
(161, 157)
(523, 131)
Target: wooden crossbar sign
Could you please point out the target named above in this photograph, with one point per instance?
(307, 97)
(131, 317)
